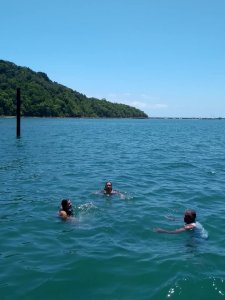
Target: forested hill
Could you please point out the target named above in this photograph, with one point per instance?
(42, 97)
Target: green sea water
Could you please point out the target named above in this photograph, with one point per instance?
(110, 250)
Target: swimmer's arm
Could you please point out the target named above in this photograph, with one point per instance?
(179, 230)
(189, 226)
(161, 230)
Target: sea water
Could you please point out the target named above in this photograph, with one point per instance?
(109, 250)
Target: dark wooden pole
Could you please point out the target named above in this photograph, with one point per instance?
(18, 104)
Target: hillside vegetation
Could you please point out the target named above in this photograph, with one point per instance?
(42, 97)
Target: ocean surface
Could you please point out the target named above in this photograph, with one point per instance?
(110, 250)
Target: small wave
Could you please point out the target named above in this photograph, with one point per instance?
(126, 196)
(210, 288)
(87, 207)
(121, 195)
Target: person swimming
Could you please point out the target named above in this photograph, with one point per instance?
(108, 190)
(191, 225)
(66, 209)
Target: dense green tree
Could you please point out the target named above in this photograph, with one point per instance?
(42, 97)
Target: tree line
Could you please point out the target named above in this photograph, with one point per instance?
(42, 97)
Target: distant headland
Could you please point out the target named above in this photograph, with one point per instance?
(42, 97)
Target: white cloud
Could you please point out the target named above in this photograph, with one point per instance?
(159, 106)
(145, 102)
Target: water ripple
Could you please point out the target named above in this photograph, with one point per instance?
(109, 249)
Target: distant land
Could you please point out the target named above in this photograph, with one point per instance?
(188, 118)
(41, 97)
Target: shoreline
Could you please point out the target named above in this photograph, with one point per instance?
(149, 118)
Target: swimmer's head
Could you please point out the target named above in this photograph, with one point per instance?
(108, 187)
(189, 216)
(66, 204)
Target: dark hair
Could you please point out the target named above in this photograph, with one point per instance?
(191, 213)
(64, 204)
(68, 210)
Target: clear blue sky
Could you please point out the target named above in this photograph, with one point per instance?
(166, 57)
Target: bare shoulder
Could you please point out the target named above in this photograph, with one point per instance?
(63, 214)
(189, 226)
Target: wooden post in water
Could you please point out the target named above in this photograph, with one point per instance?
(18, 104)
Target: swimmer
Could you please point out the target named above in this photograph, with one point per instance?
(108, 190)
(190, 225)
(66, 209)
